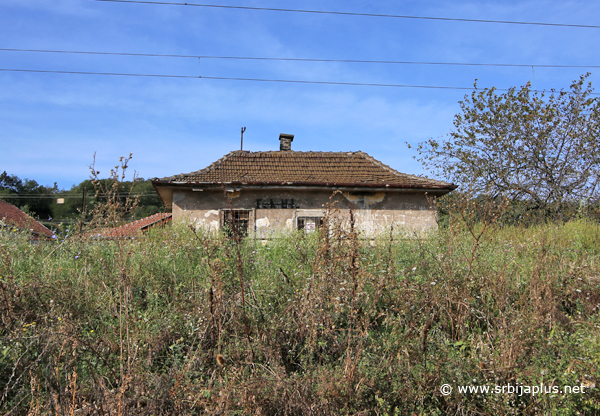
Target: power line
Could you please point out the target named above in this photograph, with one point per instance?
(363, 61)
(361, 84)
(236, 79)
(355, 14)
(57, 196)
(96, 73)
(341, 83)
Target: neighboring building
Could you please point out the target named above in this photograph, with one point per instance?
(135, 229)
(264, 191)
(12, 218)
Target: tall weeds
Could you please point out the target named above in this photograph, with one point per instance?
(330, 323)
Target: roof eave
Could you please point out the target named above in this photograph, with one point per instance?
(286, 184)
(164, 195)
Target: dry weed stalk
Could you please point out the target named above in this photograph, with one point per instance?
(339, 326)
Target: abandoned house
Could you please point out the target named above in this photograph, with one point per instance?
(260, 192)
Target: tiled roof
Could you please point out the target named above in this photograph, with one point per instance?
(303, 168)
(136, 228)
(13, 216)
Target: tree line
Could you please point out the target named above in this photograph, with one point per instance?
(53, 206)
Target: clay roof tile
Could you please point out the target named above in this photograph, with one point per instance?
(136, 228)
(13, 216)
(306, 168)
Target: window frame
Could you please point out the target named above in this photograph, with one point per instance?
(242, 224)
(319, 222)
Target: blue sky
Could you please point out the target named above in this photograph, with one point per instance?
(51, 124)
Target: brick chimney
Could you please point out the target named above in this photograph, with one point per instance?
(285, 141)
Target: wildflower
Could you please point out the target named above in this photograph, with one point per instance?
(91, 331)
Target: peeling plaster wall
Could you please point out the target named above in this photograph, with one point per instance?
(374, 211)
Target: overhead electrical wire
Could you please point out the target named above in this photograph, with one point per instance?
(58, 196)
(362, 61)
(355, 14)
(292, 81)
(239, 79)
(97, 73)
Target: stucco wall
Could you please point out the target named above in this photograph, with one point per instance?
(374, 211)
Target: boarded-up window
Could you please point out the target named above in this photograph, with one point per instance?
(235, 221)
(309, 224)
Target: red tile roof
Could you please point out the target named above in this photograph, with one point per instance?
(13, 216)
(356, 169)
(136, 228)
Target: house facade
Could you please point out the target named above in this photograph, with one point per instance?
(262, 192)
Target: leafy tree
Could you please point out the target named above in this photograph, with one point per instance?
(40, 201)
(73, 201)
(148, 200)
(10, 183)
(27, 195)
(538, 150)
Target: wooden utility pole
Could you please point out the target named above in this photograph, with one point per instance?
(82, 210)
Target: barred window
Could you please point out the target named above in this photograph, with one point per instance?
(309, 224)
(235, 221)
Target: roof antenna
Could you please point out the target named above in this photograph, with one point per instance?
(242, 143)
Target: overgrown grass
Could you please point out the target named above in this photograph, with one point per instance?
(334, 324)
